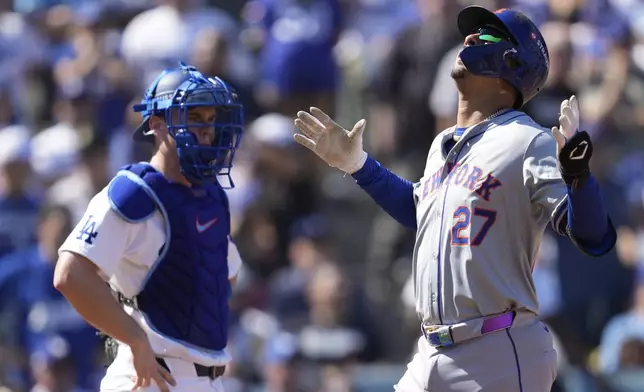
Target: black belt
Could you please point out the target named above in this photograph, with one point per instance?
(211, 372)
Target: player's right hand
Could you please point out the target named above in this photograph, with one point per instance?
(148, 369)
(335, 145)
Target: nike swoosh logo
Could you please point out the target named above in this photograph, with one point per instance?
(201, 227)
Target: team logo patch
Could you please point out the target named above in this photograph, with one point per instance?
(88, 232)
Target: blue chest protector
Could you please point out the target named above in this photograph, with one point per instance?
(185, 294)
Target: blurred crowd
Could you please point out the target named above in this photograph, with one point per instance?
(324, 302)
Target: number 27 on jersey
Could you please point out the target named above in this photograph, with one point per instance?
(464, 216)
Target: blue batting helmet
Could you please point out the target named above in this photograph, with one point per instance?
(521, 59)
(172, 95)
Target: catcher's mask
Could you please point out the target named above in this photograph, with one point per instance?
(173, 94)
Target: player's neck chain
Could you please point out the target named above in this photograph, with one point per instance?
(460, 131)
(497, 113)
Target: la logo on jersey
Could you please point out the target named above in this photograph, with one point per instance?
(468, 176)
(88, 231)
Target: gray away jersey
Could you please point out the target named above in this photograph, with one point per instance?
(481, 211)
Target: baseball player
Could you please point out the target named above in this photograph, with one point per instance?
(491, 185)
(159, 234)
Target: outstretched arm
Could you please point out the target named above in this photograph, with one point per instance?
(343, 149)
(586, 222)
(393, 193)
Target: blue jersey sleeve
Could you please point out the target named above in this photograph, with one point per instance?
(391, 192)
(588, 223)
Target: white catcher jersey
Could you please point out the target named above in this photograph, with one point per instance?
(481, 210)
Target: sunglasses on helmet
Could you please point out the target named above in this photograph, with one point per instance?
(491, 34)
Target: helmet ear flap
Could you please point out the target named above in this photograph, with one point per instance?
(511, 59)
(513, 63)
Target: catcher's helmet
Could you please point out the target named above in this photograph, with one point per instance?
(172, 94)
(522, 59)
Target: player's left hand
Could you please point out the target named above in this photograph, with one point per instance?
(574, 148)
